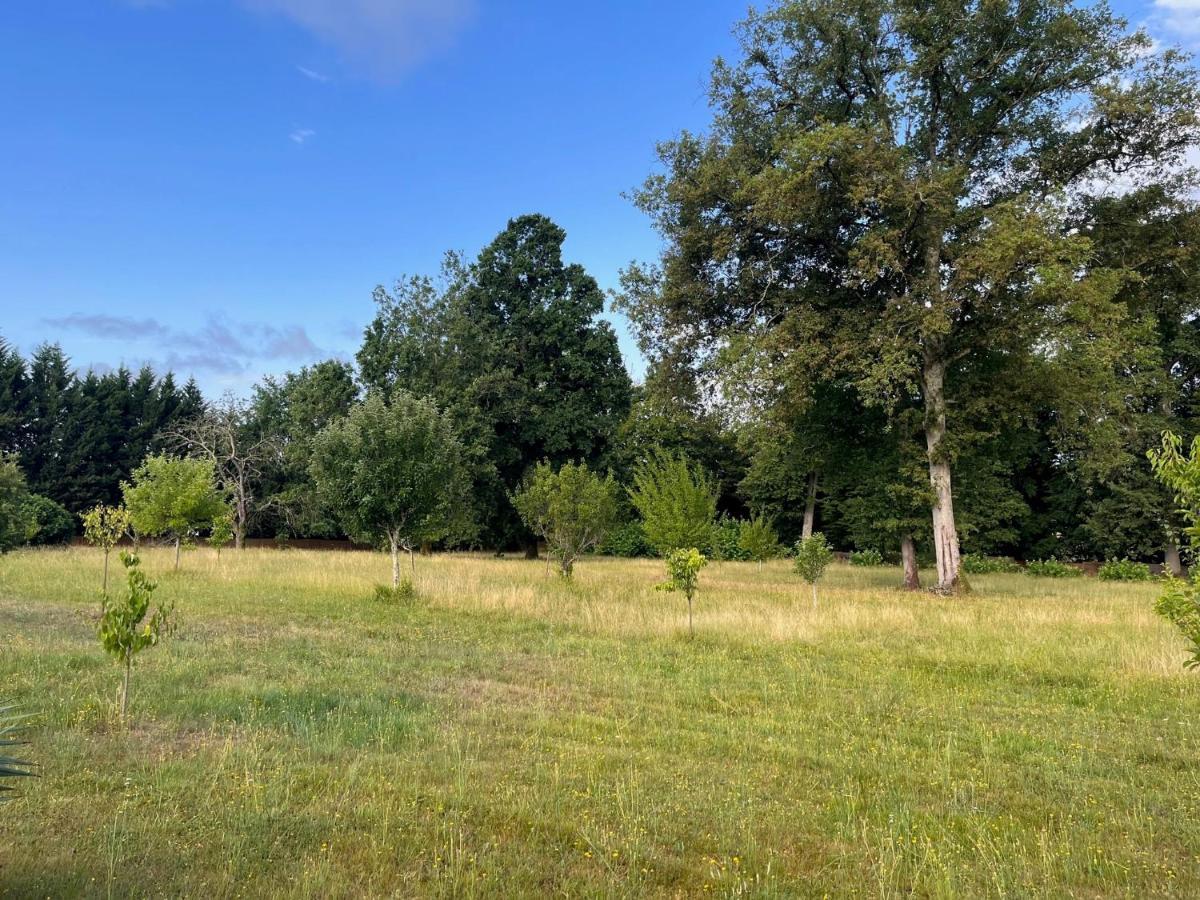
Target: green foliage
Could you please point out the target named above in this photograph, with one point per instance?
(393, 471)
(1124, 570)
(12, 723)
(865, 558)
(104, 526)
(571, 509)
(977, 564)
(1052, 568)
(53, 523)
(683, 575)
(758, 539)
(404, 592)
(627, 540)
(514, 348)
(17, 524)
(1179, 604)
(916, 209)
(125, 631)
(172, 496)
(727, 539)
(677, 502)
(1180, 473)
(812, 556)
(221, 532)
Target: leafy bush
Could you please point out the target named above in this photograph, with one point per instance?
(1180, 605)
(1124, 570)
(677, 500)
(627, 540)
(404, 592)
(866, 558)
(55, 525)
(16, 523)
(1052, 568)
(727, 539)
(758, 539)
(977, 564)
(571, 509)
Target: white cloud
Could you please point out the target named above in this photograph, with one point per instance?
(1176, 22)
(312, 76)
(385, 37)
(300, 135)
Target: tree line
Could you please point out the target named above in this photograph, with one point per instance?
(900, 301)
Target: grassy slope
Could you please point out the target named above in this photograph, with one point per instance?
(514, 736)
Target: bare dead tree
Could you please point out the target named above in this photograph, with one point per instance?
(223, 434)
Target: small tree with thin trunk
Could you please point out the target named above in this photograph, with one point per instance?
(394, 472)
(125, 630)
(172, 496)
(683, 571)
(103, 527)
(221, 533)
(758, 539)
(813, 556)
(571, 510)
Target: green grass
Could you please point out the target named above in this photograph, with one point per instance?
(510, 735)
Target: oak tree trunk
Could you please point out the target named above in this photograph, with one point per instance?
(810, 507)
(177, 542)
(945, 534)
(908, 562)
(395, 545)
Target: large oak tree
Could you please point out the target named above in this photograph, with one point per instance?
(884, 195)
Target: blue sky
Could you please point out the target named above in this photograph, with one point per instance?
(215, 186)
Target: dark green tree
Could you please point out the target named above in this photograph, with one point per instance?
(513, 348)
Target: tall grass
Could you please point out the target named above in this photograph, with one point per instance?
(511, 734)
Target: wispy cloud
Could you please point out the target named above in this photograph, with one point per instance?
(219, 346)
(300, 135)
(383, 37)
(105, 326)
(1176, 22)
(312, 75)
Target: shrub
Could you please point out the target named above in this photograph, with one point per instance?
(866, 558)
(976, 564)
(727, 539)
(627, 540)
(758, 539)
(221, 533)
(1179, 604)
(404, 592)
(16, 523)
(55, 525)
(1052, 568)
(813, 556)
(571, 509)
(677, 501)
(1124, 570)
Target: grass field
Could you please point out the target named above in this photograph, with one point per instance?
(511, 735)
